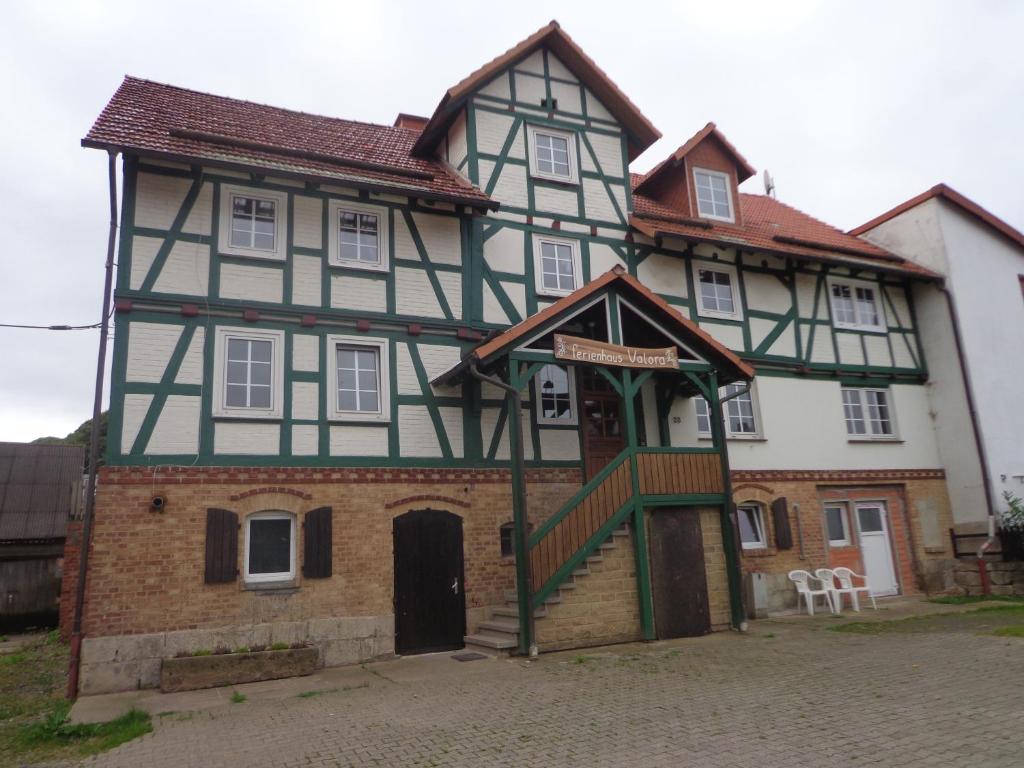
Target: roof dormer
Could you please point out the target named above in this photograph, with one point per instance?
(701, 179)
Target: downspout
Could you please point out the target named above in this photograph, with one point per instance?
(94, 439)
(739, 616)
(524, 585)
(978, 441)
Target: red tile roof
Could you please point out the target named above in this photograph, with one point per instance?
(177, 123)
(640, 130)
(745, 169)
(772, 227)
(954, 197)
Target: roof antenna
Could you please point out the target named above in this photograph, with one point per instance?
(769, 184)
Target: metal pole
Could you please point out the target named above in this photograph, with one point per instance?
(94, 438)
(524, 583)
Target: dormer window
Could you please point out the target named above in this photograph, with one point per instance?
(552, 154)
(714, 198)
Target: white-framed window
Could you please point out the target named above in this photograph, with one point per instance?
(717, 287)
(358, 374)
(714, 194)
(248, 374)
(557, 268)
(868, 413)
(856, 305)
(556, 394)
(552, 154)
(357, 235)
(742, 415)
(253, 222)
(269, 547)
(837, 525)
(751, 522)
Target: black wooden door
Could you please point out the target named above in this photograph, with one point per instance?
(430, 604)
(678, 578)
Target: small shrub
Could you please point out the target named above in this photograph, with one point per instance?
(202, 652)
(237, 698)
(242, 649)
(279, 646)
(11, 659)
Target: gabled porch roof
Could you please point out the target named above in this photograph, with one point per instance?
(617, 279)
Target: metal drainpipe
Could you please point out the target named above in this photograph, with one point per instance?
(524, 584)
(978, 442)
(742, 625)
(94, 438)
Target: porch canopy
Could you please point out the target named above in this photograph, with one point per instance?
(626, 336)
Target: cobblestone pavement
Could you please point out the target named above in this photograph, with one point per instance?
(789, 694)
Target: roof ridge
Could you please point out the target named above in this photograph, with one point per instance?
(263, 105)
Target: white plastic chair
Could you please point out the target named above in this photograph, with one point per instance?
(827, 577)
(846, 587)
(801, 580)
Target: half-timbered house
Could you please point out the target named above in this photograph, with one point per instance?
(352, 361)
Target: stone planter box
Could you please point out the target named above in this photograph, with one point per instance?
(193, 672)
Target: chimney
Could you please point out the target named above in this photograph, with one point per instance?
(412, 122)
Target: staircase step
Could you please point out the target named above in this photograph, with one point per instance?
(492, 642)
(512, 612)
(500, 625)
(620, 532)
(581, 571)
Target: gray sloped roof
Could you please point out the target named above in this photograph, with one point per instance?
(40, 486)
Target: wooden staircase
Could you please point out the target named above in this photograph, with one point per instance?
(499, 635)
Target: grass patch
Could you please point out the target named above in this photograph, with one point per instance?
(279, 646)
(34, 714)
(581, 660)
(1014, 630)
(237, 698)
(970, 599)
(935, 621)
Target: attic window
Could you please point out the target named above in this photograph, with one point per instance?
(552, 154)
(714, 197)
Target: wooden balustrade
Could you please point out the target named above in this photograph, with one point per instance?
(679, 473)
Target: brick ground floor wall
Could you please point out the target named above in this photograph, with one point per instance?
(918, 518)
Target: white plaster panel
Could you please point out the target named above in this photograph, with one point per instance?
(305, 439)
(493, 313)
(504, 251)
(510, 188)
(767, 293)
(348, 292)
(158, 199)
(251, 283)
(901, 351)
(414, 294)
(730, 336)
(405, 247)
(556, 200)
(498, 87)
(595, 108)
(305, 400)
(850, 351)
(878, 350)
(408, 384)
(305, 352)
(898, 302)
(246, 438)
(567, 96)
(358, 440)
(557, 69)
(441, 237)
(608, 150)
(451, 286)
(822, 350)
(517, 293)
(529, 89)
(660, 273)
(559, 444)
(416, 434)
(492, 131)
(452, 420)
(186, 271)
(177, 427)
(759, 329)
(805, 287)
(306, 275)
(308, 222)
(143, 253)
(135, 409)
(603, 258)
(597, 202)
(149, 350)
(199, 221)
(533, 63)
(785, 345)
(488, 422)
(191, 370)
(437, 358)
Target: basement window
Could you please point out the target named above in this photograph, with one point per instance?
(507, 538)
(751, 523)
(837, 525)
(270, 547)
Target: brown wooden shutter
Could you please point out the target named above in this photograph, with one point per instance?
(316, 550)
(780, 520)
(221, 546)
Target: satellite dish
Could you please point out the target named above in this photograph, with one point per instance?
(769, 184)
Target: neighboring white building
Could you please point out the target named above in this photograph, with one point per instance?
(982, 258)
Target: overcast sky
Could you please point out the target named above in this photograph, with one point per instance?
(853, 107)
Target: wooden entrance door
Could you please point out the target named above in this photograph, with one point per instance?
(678, 578)
(430, 605)
(602, 421)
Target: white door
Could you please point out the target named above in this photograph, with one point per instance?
(875, 549)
